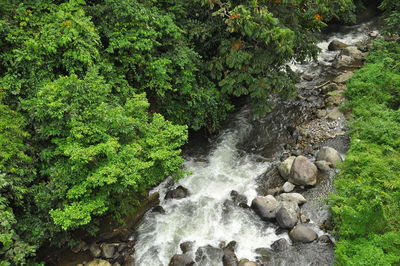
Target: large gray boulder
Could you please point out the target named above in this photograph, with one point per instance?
(285, 166)
(352, 52)
(265, 207)
(329, 154)
(288, 214)
(303, 172)
(292, 197)
(336, 45)
(343, 61)
(302, 233)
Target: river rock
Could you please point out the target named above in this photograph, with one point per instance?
(95, 250)
(303, 172)
(237, 198)
(288, 187)
(158, 209)
(98, 262)
(352, 52)
(280, 245)
(334, 114)
(323, 166)
(206, 254)
(229, 258)
(129, 260)
(107, 250)
(342, 61)
(302, 233)
(80, 246)
(177, 193)
(307, 77)
(285, 166)
(292, 197)
(329, 154)
(265, 207)
(181, 260)
(288, 214)
(344, 77)
(246, 262)
(187, 246)
(336, 45)
(325, 239)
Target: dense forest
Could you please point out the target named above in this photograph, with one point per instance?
(97, 98)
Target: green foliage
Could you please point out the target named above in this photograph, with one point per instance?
(85, 87)
(392, 15)
(366, 204)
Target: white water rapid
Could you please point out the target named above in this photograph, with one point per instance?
(203, 217)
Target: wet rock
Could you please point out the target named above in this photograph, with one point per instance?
(334, 114)
(246, 262)
(238, 198)
(280, 245)
(80, 246)
(285, 167)
(292, 197)
(307, 77)
(330, 87)
(302, 233)
(344, 77)
(323, 166)
(303, 172)
(177, 193)
(181, 260)
(288, 214)
(325, 239)
(158, 209)
(107, 250)
(95, 250)
(98, 262)
(116, 264)
(330, 155)
(343, 61)
(352, 52)
(265, 207)
(288, 187)
(187, 246)
(374, 34)
(229, 258)
(207, 254)
(336, 45)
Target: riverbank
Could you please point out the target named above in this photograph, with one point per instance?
(365, 204)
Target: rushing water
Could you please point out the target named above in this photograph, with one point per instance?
(204, 216)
